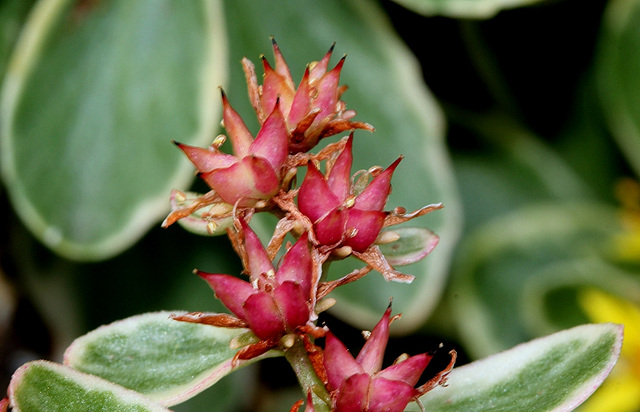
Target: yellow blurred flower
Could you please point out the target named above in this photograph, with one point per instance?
(621, 391)
(626, 244)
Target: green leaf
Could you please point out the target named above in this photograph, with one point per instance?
(551, 297)
(469, 9)
(13, 13)
(554, 373)
(501, 261)
(92, 98)
(414, 244)
(167, 360)
(617, 64)
(387, 90)
(50, 387)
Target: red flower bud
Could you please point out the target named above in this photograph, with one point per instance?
(341, 217)
(313, 110)
(253, 172)
(272, 303)
(359, 384)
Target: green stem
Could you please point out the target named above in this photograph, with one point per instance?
(299, 360)
(325, 270)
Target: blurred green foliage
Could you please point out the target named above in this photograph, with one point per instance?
(522, 121)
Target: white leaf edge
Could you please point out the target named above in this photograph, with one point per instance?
(151, 209)
(469, 9)
(89, 382)
(484, 374)
(177, 394)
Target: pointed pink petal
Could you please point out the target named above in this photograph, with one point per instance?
(270, 86)
(249, 180)
(407, 371)
(309, 407)
(339, 178)
(367, 223)
(301, 102)
(330, 228)
(263, 317)
(259, 262)
(281, 65)
(315, 198)
(389, 396)
(374, 197)
(272, 141)
(238, 132)
(275, 87)
(320, 68)
(296, 265)
(231, 291)
(338, 362)
(293, 304)
(354, 393)
(206, 160)
(372, 353)
(328, 92)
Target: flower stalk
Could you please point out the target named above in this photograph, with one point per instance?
(302, 364)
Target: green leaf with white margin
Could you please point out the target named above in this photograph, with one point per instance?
(617, 63)
(13, 13)
(166, 360)
(414, 244)
(499, 260)
(51, 387)
(468, 9)
(387, 90)
(554, 373)
(92, 97)
(552, 297)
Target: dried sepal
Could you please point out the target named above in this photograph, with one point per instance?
(222, 320)
(199, 214)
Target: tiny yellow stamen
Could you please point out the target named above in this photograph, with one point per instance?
(288, 340)
(324, 304)
(288, 177)
(298, 227)
(401, 358)
(375, 170)
(220, 209)
(219, 141)
(387, 236)
(350, 201)
(181, 197)
(343, 252)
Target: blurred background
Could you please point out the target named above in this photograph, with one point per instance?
(522, 117)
